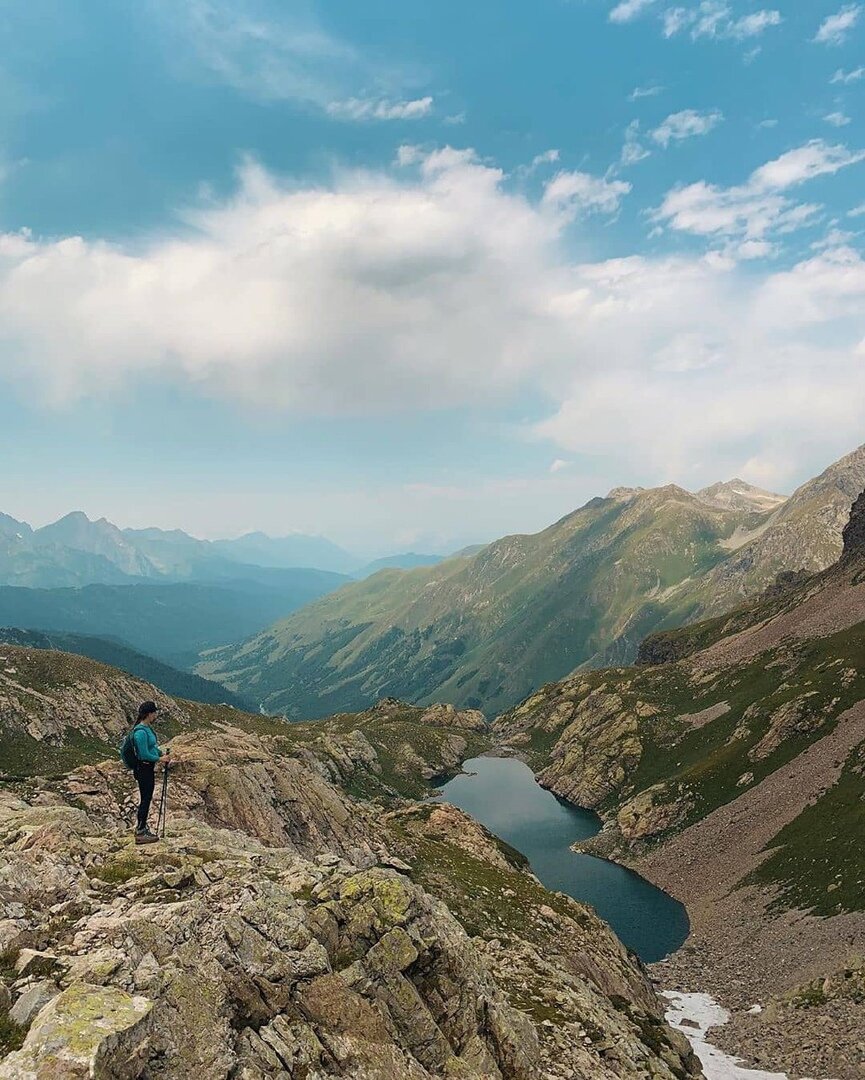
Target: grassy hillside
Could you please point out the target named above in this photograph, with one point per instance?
(59, 710)
(119, 655)
(658, 749)
(486, 629)
(483, 630)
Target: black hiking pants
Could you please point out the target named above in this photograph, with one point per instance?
(145, 774)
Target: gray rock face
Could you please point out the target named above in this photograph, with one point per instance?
(85, 1033)
(854, 530)
(31, 1001)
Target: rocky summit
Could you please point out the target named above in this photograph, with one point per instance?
(305, 916)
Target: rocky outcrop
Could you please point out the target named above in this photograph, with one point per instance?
(251, 954)
(593, 734)
(234, 779)
(854, 530)
(664, 647)
(48, 695)
(654, 811)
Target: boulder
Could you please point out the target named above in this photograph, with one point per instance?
(32, 962)
(92, 1032)
(32, 1001)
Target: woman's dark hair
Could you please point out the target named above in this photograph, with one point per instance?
(145, 709)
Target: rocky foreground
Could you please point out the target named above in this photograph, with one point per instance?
(285, 928)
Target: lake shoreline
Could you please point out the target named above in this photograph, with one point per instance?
(743, 956)
(542, 826)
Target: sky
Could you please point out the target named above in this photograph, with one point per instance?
(415, 276)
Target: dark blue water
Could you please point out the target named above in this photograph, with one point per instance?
(503, 794)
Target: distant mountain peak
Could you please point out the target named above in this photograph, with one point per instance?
(738, 494)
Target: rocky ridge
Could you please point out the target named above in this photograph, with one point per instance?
(286, 928)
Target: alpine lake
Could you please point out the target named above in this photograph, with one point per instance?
(503, 795)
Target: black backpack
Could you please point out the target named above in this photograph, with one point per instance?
(128, 755)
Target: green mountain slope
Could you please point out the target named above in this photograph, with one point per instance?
(121, 656)
(483, 630)
(729, 768)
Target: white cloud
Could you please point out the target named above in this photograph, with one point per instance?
(640, 92)
(548, 157)
(685, 125)
(558, 465)
(715, 19)
(633, 150)
(814, 158)
(760, 208)
(280, 53)
(435, 286)
(690, 356)
(576, 193)
(752, 25)
(847, 77)
(835, 28)
(837, 119)
(627, 10)
(382, 109)
(857, 211)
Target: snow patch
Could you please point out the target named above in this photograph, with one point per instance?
(694, 1015)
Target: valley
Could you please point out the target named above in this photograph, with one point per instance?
(330, 920)
(722, 768)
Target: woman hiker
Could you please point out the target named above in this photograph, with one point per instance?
(140, 752)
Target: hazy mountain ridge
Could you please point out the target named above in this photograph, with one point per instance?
(173, 622)
(77, 551)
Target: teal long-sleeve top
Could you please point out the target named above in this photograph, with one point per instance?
(146, 746)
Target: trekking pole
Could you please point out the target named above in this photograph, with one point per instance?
(163, 803)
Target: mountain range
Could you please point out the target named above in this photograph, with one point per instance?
(485, 629)
(77, 551)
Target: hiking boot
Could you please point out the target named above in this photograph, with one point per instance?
(145, 836)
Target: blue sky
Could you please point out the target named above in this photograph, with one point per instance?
(418, 275)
